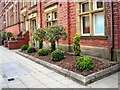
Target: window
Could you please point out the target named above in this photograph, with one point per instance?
(51, 18)
(98, 4)
(85, 25)
(7, 18)
(23, 3)
(85, 7)
(54, 15)
(33, 25)
(99, 24)
(24, 23)
(4, 21)
(33, 2)
(16, 13)
(92, 18)
(11, 16)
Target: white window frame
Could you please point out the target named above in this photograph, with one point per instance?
(53, 15)
(94, 25)
(95, 5)
(87, 34)
(23, 3)
(82, 8)
(33, 2)
(26, 25)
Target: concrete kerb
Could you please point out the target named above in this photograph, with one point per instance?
(83, 79)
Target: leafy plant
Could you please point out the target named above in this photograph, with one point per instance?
(8, 35)
(53, 34)
(24, 47)
(76, 45)
(39, 35)
(43, 52)
(31, 49)
(84, 63)
(57, 55)
(3, 37)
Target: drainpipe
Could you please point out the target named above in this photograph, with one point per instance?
(68, 27)
(19, 14)
(112, 30)
(40, 14)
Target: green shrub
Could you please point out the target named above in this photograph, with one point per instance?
(55, 33)
(3, 37)
(84, 63)
(24, 47)
(31, 49)
(43, 52)
(9, 35)
(57, 55)
(76, 45)
(39, 35)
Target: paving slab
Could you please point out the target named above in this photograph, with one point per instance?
(29, 74)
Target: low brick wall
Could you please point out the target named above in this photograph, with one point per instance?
(5, 43)
(13, 45)
(17, 43)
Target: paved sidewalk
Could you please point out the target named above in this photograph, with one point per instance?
(28, 74)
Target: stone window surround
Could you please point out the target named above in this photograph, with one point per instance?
(91, 13)
(23, 4)
(11, 12)
(33, 3)
(51, 10)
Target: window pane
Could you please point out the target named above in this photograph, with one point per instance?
(99, 24)
(85, 7)
(86, 25)
(54, 15)
(99, 4)
(49, 16)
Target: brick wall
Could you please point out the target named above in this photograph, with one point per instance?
(115, 23)
(119, 25)
(14, 29)
(67, 18)
(63, 18)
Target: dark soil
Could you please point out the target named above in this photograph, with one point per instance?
(69, 63)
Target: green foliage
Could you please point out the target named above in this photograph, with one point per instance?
(84, 63)
(3, 37)
(24, 47)
(76, 45)
(53, 34)
(31, 49)
(43, 52)
(39, 35)
(57, 55)
(8, 35)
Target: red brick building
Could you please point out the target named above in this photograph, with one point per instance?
(97, 22)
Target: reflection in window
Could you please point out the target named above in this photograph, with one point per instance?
(86, 24)
(51, 18)
(99, 24)
(85, 7)
(99, 4)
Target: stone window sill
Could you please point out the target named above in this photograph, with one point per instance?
(94, 37)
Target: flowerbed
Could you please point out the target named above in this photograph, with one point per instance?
(69, 63)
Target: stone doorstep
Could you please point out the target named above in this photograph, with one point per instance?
(83, 79)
